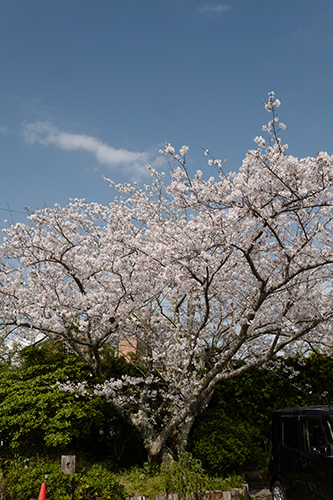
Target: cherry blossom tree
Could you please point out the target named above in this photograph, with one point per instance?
(207, 278)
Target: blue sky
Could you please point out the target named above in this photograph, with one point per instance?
(96, 87)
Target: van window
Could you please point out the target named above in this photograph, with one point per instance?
(314, 438)
(330, 429)
(290, 432)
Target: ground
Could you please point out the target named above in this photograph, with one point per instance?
(261, 494)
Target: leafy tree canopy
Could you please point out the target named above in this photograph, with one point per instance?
(38, 417)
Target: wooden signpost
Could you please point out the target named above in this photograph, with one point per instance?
(68, 464)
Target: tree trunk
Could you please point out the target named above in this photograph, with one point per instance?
(159, 452)
(183, 433)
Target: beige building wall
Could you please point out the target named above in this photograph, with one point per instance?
(127, 346)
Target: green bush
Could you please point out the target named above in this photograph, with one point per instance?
(185, 477)
(233, 433)
(23, 479)
(224, 444)
(224, 483)
(99, 483)
(143, 481)
(36, 417)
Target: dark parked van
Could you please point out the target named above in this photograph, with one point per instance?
(301, 461)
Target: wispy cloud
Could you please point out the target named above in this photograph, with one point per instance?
(213, 9)
(4, 129)
(45, 133)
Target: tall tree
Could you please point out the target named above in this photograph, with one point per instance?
(200, 274)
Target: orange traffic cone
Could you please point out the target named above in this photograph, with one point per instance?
(42, 493)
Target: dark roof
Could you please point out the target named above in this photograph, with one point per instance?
(305, 410)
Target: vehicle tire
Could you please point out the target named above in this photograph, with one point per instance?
(278, 491)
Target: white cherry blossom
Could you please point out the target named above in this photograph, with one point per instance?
(206, 278)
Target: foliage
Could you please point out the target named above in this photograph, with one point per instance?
(233, 433)
(34, 413)
(185, 477)
(143, 481)
(224, 444)
(37, 417)
(100, 483)
(23, 479)
(224, 483)
(206, 279)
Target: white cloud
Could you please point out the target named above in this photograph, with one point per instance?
(45, 133)
(213, 9)
(4, 129)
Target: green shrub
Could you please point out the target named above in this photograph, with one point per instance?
(233, 432)
(99, 483)
(143, 481)
(224, 483)
(23, 479)
(37, 418)
(35, 415)
(224, 444)
(185, 477)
